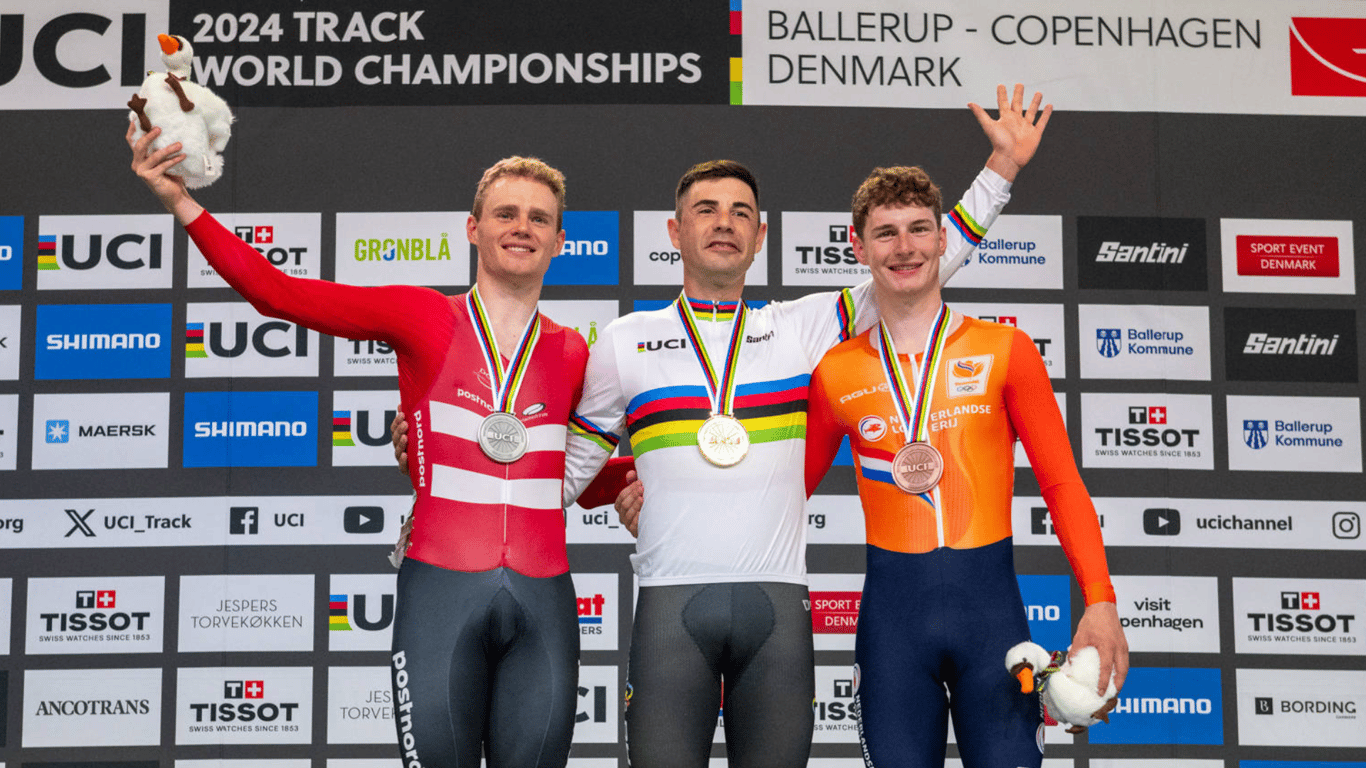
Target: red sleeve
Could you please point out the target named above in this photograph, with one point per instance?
(409, 318)
(1035, 416)
(609, 483)
(823, 431)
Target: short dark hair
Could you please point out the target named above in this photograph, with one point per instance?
(714, 169)
(898, 185)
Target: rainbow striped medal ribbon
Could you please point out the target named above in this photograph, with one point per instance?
(917, 466)
(722, 439)
(502, 436)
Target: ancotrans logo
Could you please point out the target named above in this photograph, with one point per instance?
(1141, 252)
(406, 248)
(103, 341)
(1325, 57)
(1166, 706)
(1318, 345)
(1288, 256)
(11, 251)
(250, 429)
(232, 339)
(100, 252)
(591, 254)
(1303, 616)
(91, 707)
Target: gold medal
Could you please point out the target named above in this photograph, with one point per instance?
(917, 467)
(723, 440)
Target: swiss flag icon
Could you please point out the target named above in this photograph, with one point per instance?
(1327, 57)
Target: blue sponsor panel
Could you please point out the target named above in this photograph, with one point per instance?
(103, 341)
(1166, 705)
(592, 250)
(251, 429)
(1048, 605)
(11, 253)
(1297, 764)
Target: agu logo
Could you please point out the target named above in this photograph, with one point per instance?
(1107, 341)
(1255, 433)
(250, 429)
(1325, 57)
(591, 254)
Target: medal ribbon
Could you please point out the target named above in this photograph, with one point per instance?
(913, 406)
(720, 389)
(504, 383)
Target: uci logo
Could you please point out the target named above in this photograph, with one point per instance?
(658, 344)
(75, 50)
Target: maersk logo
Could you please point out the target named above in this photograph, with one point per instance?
(103, 341)
(58, 431)
(591, 252)
(1166, 706)
(250, 429)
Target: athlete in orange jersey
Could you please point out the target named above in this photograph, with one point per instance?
(941, 604)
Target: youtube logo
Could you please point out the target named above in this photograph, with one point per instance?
(1161, 522)
(363, 520)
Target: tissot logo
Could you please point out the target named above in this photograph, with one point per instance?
(1170, 431)
(230, 710)
(243, 705)
(103, 341)
(1149, 253)
(1325, 57)
(1303, 616)
(1310, 345)
(104, 615)
(289, 241)
(835, 720)
(591, 252)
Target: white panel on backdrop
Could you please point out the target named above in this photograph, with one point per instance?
(360, 615)
(292, 242)
(244, 705)
(1218, 523)
(9, 437)
(599, 525)
(1316, 617)
(105, 614)
(1152, 430)
(817, 250)
(835, 599)
(1287, 256)
(408, 248)
(246, 763)
(11, 329)
(1169, 614)
(835, 722)
(103, 252)
(6, 606)
(1162, 762)
(232, 339)
(378, 762)
(214, 521)
(586, 317)
(92, 707)
(101, 431)
(835, 519)
(246, 613)
(1018, 252)
(597, 715)
(1144, 341)
(360, 428)
(1295, 707)
(363, 357)
(822, 53)
(1043, 323)
(1294, 434)
(360, 706)
(92, 49)
(657, 262)
(599, 610)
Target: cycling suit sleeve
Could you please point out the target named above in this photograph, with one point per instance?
(1034, 414)
(968, 222)
(595, 425)
(608, 484)
(823, 432)
(401, 315)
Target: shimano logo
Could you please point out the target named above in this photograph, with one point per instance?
(1156, 706)
(250, 429)
(104, 341)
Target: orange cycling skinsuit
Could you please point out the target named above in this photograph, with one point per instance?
(941, 604)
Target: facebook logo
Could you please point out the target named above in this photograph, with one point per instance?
(244, 521)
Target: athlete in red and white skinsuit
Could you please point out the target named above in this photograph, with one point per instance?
(485, 601)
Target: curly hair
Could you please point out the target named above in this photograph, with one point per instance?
(899, 185)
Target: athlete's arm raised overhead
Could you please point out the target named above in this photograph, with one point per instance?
(1034, 414)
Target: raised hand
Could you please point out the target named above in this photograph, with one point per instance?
(154, 170)
(1015, 132)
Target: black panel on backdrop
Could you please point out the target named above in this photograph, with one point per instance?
(1290, 344)
(1158, 254)
(100, 764)
(4, 707)
(387, 52)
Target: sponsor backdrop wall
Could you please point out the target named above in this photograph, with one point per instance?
(1182, 251)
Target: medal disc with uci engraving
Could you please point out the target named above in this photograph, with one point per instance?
(503, 437)
(917, 467)
(723, 440)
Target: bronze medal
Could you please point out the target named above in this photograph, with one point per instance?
(917, 467)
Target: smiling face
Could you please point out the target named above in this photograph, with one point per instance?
(717, 231)
(516, 233)
(902, 245)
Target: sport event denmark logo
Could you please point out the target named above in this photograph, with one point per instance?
(1326, 57)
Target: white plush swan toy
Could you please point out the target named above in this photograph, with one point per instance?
(1067, 689)
(186, 112)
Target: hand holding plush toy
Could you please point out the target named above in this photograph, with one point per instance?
(1066, 688)
(186, 112)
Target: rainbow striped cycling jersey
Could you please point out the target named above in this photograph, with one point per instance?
(644, 383)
